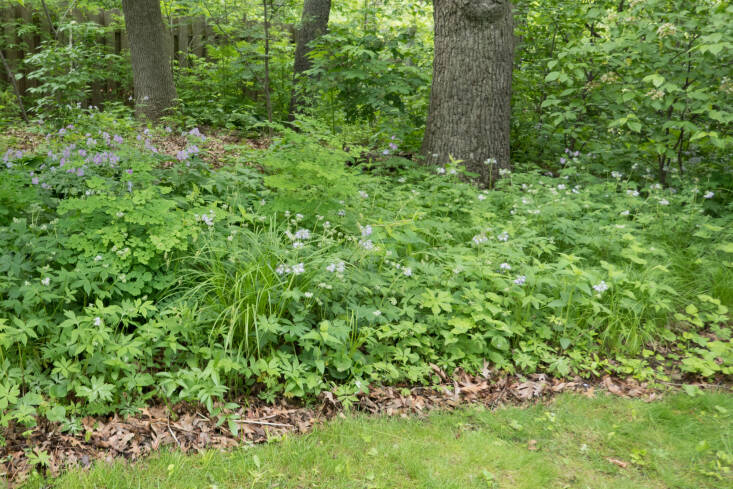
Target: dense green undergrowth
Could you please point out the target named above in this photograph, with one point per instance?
(130, 276)
(574, 442)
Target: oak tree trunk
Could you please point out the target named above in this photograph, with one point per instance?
(152, 76)
(469, 111)
(313, 24)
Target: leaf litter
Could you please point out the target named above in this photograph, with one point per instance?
(188, 428)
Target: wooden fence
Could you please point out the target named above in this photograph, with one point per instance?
(186, 35)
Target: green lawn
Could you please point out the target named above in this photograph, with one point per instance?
(680, 442)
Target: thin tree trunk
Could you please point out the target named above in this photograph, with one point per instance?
(268, 97)
(14, 83)
(469, 115)
(155, 93)
(313, 24)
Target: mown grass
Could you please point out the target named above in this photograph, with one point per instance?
(680, 442)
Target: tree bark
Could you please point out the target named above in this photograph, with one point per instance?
(313, 24)
(469, 114)
(152, 76)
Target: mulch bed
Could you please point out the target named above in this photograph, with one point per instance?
(189, 428)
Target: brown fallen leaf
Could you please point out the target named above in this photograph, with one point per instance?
(618, 462)
(532, 445)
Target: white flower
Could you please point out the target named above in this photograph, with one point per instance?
(97, 321)
(377, 313)
(617, 174)
(402, 180)
(561, 186)
(298, 269)
(625, 213)
(326, 224)
(407, 271)
(46, 281)
(504, 172)
(453, 171)
(709, 195)
(481, 197)
(341, 213)
(366, 244)
(601, 287)
(664, 202)
(297, 244)
(230, 238)
(120, 214)
(520, 280)
(479, 239)
(366, 231)
(490, 161)
(299, 217)
(503, 237)
(308, 295)
(505, 266)
(281, 270)
(98, 258)
(440, 170)
(302, 234)
(633, 193)
(363, 194)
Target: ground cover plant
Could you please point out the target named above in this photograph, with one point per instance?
(200, 284)
(680, 442)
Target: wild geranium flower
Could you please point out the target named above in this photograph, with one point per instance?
(633, 193)
(505, 267)
(298, 269)
(601, 287)
(281, 270)
(709, 195)
(341, 213)
(302, 234)
(481, 197)
(563, 161)
(561, 186)
(520, 280)
(407, 271)
(617, 174)
(366, 231)
(440, 170)
(297, 244)
(97, 321)
(490, 161)
(45, 281)
(503, 237)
